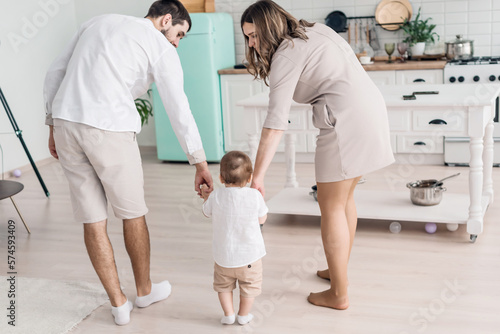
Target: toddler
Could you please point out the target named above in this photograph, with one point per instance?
(238, 247)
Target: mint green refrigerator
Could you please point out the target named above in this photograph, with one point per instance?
(207, 48)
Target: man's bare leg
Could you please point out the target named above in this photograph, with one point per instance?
(101, 255)
(136, 234)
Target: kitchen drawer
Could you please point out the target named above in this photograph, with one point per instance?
(399, 120)
(297, 120)
(394, 141)
(408, 77)
(380, 78)
(444, 121)
(419, 144)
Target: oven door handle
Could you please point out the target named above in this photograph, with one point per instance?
(438, 121)
(496, 109)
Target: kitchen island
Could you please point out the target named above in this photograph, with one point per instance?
(465, 110)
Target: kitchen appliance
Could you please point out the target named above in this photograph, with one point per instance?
(207, 48)
(481, 70)
(459, 48)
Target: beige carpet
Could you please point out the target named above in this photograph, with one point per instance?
(48, 306)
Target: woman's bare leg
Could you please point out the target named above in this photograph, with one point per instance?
(352, 221)
(333, 198)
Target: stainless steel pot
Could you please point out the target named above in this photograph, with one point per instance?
(459, 48)
(425, 192)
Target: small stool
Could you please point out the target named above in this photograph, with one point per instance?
(9, 189)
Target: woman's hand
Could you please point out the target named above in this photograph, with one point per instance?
(259, 185)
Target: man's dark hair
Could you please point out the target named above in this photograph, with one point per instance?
(173, 7)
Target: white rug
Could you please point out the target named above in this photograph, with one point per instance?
(47, 306)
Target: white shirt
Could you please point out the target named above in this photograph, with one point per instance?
(112, 60)
(237, 238)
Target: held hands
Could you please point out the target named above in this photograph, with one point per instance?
(52, 144)
(203, 177)
(205, 192)
(259, 185)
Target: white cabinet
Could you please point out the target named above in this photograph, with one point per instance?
(406, 77)
(235, 87)
(382, 77)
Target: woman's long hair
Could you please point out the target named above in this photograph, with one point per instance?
(273, 24)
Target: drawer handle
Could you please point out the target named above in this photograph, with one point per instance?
(419, 143)
(289, 122)
(419, 80)
(438, 121)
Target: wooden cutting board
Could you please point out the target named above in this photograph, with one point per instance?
(199, 6)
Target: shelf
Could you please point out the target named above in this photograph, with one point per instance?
(380, 205)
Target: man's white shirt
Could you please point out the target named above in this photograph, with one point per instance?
(112, 60)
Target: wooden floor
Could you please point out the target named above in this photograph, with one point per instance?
(412, 282)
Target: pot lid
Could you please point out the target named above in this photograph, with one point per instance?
(460, 40)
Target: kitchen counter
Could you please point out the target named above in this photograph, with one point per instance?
(376, 66)
(409, 65)
(418, 125)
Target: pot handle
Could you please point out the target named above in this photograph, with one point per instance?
(437, 189)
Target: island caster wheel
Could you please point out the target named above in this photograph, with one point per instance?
(452, 227)
(473, 238)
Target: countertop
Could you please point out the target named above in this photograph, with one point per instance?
(376, 66)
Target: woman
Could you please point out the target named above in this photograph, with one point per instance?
(312, 64)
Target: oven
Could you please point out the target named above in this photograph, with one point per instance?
(480, 70)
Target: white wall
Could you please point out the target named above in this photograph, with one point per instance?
(478, 20)
(32, 34)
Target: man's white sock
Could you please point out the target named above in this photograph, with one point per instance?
(122, 313)
(159, 292)
(228, 320)
(245, 319)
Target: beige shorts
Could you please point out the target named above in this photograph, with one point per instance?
(100, 165)
(249, 279)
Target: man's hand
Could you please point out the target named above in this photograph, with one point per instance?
(52, 144)
(205, 192)
(203, 176)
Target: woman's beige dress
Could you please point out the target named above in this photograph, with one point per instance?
(348, 108)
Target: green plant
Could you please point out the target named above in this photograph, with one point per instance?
(144, 108)
(419, 30)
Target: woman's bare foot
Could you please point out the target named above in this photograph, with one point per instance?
(325, 274)
(328, 298)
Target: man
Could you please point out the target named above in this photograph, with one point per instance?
(89, 92)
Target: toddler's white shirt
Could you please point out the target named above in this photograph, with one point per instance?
(237, 238)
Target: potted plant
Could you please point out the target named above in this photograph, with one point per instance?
(418, 33)
(144, 108)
